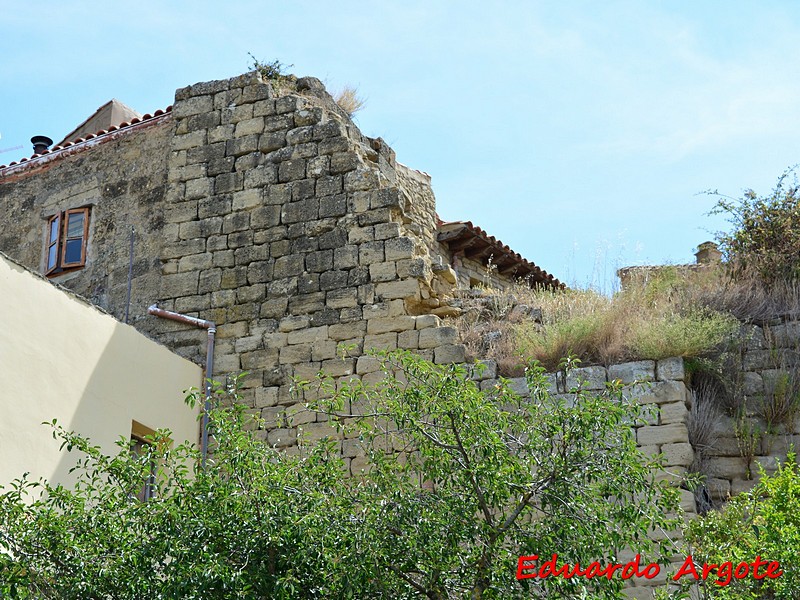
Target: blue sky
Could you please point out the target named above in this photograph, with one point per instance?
(578, 132)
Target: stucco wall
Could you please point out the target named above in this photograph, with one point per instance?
(61, 358)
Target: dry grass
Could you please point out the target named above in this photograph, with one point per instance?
(349, 100)
(674, 312)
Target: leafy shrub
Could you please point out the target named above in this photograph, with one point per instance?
(765, 239)
(694, 333)
(456, 484)
(763, 522)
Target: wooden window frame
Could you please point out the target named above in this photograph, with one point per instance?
(61, 265)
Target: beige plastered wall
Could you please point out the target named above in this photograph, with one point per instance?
(61, 358)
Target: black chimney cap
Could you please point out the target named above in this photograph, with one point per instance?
(40, 143)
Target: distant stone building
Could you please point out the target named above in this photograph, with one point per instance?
(257, 205)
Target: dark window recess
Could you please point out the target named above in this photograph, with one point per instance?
(67, 235)
(140, 447)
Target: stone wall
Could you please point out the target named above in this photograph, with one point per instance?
(123, 180)
(769, 364)
(264, 211)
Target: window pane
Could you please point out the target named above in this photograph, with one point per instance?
(54, 230)
(51, 257)
(75, 225)
(73, 251)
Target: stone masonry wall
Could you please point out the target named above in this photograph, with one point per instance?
(265, 211)
(124, 183)
(770, 359)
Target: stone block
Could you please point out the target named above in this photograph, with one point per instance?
(753, 383)
(367, 364)
(426, 321)
(670, 368)
(384, 325)
(341, 298)
(674, 433)
(408, 340)
(382, 271)
(323, 350)
(338, 366)
(344, 331)
(300, 353)
(718, 489)
(726, 467)
(432, 337)
(325, 316)
(179, 284)
(292, 170)
(288, 266)
(455, 353)
(383, 341)
(643, 370)
(370, 252)
(317, 262)
(307, 303)
(249, 127)
(282, 438)
(587, 378)
(660, 392)
(390, 290)
(196, 262)
(679, 454)
(308, 335)
(361, 179)
(674, 412)
(332, 280)
(300, 211)
(399, 248)
(193, 106)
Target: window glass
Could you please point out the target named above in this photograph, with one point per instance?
(52, 253)
(72, 252)
(54, 229)
(75, 225)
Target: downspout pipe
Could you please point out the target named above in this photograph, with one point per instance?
(212, 330)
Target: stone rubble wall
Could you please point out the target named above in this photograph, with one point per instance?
(260, 206)
(771, 353)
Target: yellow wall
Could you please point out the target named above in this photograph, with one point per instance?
(61, 358)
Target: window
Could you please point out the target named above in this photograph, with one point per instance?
(140, 446)
(67, 234)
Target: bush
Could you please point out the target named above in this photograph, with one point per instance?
(765, 239)
(763, 522)
(456, 484)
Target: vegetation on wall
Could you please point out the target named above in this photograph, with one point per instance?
(489, 478)
(764, 522)
(765, 237)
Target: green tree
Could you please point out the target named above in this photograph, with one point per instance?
(764, 522)
(458, 483)
(765, 239)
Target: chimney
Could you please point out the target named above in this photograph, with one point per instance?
(708, 254)
(40, 143)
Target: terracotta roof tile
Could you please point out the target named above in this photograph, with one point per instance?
(464, 235)
(97, 137)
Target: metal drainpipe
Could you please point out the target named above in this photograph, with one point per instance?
(212, 329)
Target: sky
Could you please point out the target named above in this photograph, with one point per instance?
(583, 134)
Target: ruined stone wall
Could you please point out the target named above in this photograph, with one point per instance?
(765, 375)
(266, 212)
